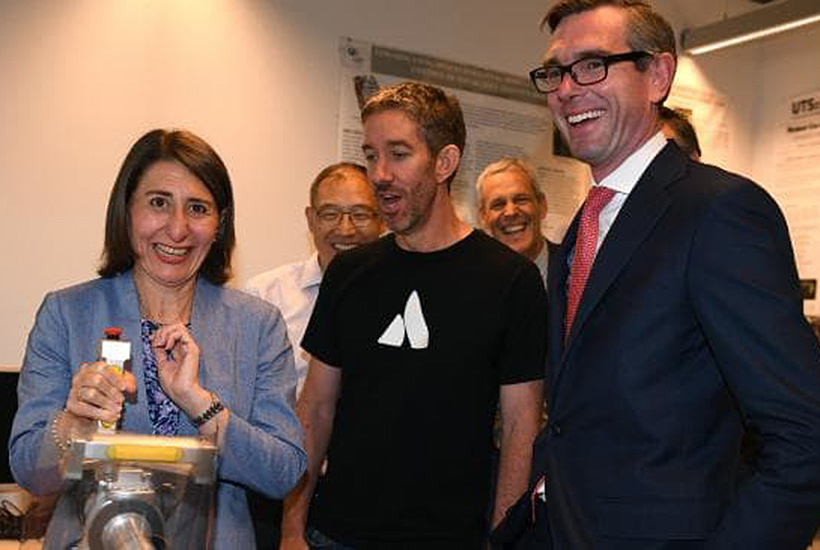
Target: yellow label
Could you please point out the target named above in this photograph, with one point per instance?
(152, 453)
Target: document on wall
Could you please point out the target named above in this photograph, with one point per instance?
(795, 184)
(504, 115)
(706, 111)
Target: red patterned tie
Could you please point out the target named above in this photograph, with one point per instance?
(585, 244)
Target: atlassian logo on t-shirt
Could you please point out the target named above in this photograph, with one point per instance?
(412, 324)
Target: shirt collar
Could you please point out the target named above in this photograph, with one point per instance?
(311, 272)
(624, 178)
(542, 260)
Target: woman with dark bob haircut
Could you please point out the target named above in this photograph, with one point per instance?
(203, 162)
(206, 359)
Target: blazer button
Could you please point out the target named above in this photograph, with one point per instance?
(555, 429)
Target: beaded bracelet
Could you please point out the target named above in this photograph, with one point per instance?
(61, 445)
(215, 408)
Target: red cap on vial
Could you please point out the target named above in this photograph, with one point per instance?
(112, 333)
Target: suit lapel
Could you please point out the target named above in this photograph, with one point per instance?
(557, 276)
(643, 208)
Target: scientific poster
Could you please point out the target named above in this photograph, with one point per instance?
(706, 111)
(503, 113)
(795, 184)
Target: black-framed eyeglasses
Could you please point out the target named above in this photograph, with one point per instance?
(584, 71)
(360, 216)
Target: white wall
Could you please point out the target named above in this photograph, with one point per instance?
(81, 80)
(792, 67)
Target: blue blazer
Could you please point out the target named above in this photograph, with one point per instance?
(690, 330)
(245, 358)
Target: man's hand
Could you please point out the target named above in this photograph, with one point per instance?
(293, 542)
(521, 406)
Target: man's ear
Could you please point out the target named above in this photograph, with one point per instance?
(309, 217)
(447, 162)
(482, 215)
(661, 72)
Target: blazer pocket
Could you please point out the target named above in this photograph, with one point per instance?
(690, 519)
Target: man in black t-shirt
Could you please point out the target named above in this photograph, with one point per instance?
(414, 341)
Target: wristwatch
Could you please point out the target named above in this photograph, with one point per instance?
(216, 407)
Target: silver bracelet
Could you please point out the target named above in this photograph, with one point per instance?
(61, 445)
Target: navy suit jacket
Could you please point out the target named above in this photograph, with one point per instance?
(690, 330)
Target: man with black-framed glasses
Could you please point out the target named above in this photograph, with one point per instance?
(589, 69)
(675, 322)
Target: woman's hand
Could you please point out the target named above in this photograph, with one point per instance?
(177, 356)
(98, 391)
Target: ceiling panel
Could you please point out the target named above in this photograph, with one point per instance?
(694, 13)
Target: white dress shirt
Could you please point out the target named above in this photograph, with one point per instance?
(542, 261)
(623, 179)
(293, 288)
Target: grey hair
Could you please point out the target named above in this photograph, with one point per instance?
(509, 164)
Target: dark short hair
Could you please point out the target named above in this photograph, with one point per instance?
(202, 161)
(685, 135)
(333, 172)
(647, 30)
(438, 115)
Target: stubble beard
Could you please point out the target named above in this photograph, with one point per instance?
(419, 206)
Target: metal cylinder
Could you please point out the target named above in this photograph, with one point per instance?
(128, 531)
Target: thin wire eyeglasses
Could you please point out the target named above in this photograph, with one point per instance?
(584, 71)
(359, 216)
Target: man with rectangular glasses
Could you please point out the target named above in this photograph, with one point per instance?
(342, 215)
(675, 323)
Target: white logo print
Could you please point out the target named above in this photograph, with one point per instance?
(412, 324)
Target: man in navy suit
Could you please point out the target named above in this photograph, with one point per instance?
(675, 318)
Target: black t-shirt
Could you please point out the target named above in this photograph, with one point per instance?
(423, 341)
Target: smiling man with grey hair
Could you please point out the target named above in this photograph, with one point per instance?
(511, 208)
